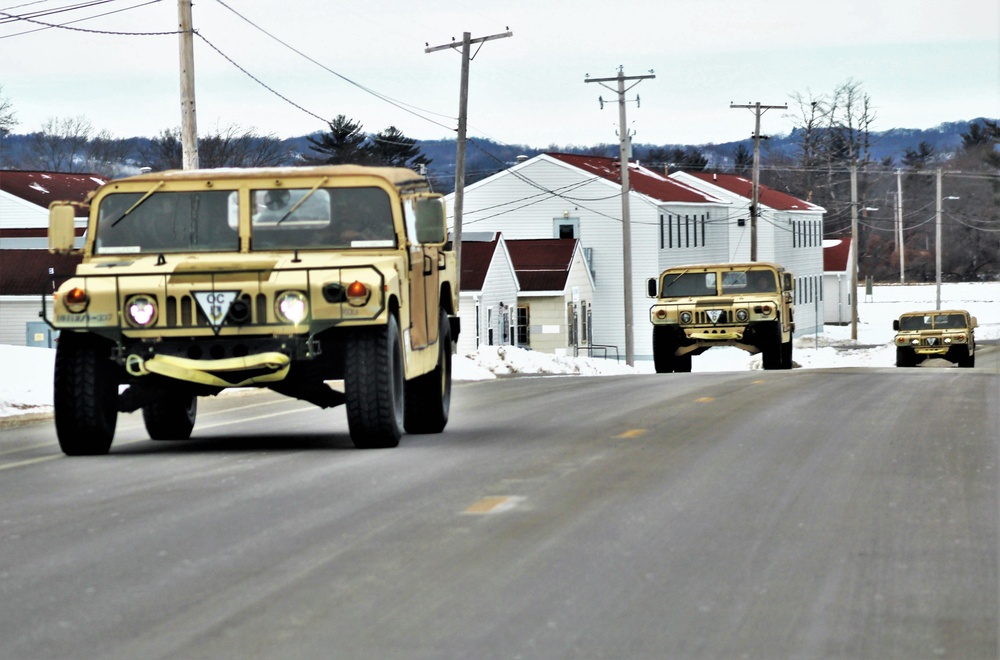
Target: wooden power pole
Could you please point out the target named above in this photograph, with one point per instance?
(623, 153)
(755, 200)
(463, 115)
(189, 121)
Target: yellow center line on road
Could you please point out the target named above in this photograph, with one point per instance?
(631, 433)
(705, 399)
(493, 504)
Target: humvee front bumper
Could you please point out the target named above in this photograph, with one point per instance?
(227, 372)
(715, 334)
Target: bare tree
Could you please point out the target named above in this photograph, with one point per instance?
(8, 119)
(107, 155)
(233, 146)
(61, 145)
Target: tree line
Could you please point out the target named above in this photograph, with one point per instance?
(833, 133)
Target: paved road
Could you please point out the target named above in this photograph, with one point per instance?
(842, 513)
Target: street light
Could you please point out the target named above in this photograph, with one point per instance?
(937, 241)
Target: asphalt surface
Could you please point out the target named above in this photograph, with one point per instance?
(847, 513)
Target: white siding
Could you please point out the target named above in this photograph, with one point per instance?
(15, 314)
(522, 202)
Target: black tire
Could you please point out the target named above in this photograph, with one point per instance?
(373, 386)
(85, 395)
(786, 353)
(682, 363)
(428, 397)
(171, 418)
(967, 361)
(770, 348)
(904, 357)
(664, 360)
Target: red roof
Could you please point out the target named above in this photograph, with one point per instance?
(42, 188)
(26, 272)
(542, 264)
(641, 179)
(836, 253)
(744, 187)
(476, 259)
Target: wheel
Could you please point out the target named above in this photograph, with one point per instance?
(428, 397)
(373, 386)
(171, 418)
(786, 354)
(904, 357)
(967, 361)
(664, 360)
(682, 363)
(771, 348)
(85, 394)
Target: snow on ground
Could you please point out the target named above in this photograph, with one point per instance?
(26, 374)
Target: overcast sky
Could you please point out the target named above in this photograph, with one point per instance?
(921, 62)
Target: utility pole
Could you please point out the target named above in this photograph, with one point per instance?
(755, 200)
(623, 153)
(854, 251)
(937, 242)
(189, 121)
(463, 115)
(901, 237)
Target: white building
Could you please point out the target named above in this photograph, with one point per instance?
(673, 221)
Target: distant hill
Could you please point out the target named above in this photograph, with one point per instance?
(485, 157)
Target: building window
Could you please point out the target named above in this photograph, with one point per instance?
(571, 325)
(566, 227)
(523, 326)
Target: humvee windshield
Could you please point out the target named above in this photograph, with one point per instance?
(135, 223)
(704, 284)
(932, 321)
(302, 219)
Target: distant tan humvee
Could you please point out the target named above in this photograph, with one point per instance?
(747, 305)
(947, 334)
(284, 278)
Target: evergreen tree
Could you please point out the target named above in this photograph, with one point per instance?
(345, 143)
(391, 147)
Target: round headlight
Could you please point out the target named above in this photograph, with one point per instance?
(947, 340)
(140, 311)
(685, 317)
(915, 341)
(742, 315)
(291, 307)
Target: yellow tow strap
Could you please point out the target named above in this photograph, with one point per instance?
(211, 372)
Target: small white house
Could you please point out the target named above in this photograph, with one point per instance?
(487, 293)
(554, 307)
(837, 260)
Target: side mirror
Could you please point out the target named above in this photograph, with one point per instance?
(973, 323)
(62, 231)
(895, 325)
(651, 285)
(787, 282)
(431, 226)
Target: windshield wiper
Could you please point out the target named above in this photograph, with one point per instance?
(141, 200)
(299, 203)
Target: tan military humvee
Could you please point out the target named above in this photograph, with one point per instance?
(746, 305)
(284, 278)
(947, 334)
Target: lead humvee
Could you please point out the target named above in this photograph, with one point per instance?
(193, 282)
